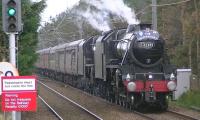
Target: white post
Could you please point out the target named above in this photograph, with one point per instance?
(12, 49)
(154, 14)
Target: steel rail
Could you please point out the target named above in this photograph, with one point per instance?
(182, 115)
(195, 108)
(57, 115)
(143, 115)
(138, 113)
(66, 98)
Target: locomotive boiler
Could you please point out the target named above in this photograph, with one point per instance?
(127, 66)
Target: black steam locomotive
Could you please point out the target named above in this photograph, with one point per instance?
(126, 66)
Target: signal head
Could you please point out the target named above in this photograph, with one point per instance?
(11, 14)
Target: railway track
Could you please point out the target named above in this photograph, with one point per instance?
(168, 115)
(181, 115)
(55, 113)
(138, 113)
(144, 115)
(154, 116)
(91, 114)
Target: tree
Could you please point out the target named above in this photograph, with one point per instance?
(28, 38)
(3, 42)
(180, 29)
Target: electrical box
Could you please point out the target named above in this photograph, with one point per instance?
(183, 82)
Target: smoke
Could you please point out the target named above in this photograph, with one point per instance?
(99, 18)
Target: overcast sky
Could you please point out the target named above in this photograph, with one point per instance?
(54, 7)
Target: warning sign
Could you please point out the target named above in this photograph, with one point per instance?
(21, 101)
(19, 93)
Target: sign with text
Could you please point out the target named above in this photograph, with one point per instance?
(18, 83)
(7, 69)
(19, 93)
(19, 101)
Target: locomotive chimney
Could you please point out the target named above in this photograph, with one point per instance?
(130, 28)
(135, 27)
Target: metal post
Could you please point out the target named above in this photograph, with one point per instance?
(15, 115)
(197, 37)
(154, 14)
(12, 49)
(80, 27)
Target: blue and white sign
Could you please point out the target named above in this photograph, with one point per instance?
(147, 34)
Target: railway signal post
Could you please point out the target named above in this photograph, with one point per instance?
(11, 17)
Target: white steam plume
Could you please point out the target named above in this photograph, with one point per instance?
(100, 19)
(116, 7)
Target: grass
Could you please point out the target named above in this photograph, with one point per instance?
(188, 99)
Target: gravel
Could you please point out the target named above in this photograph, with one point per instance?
(64, 108)
(97, 105)
(42, 113)
(102, 108)
(186, 111)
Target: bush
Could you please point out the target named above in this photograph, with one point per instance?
(188, 99)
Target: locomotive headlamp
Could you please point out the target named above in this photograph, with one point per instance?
(131, 86)
(171, 85)
(172, 77)
(128, 77)
(94, 48)
(150, 76)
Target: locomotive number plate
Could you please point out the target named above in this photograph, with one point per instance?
(146, 45)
